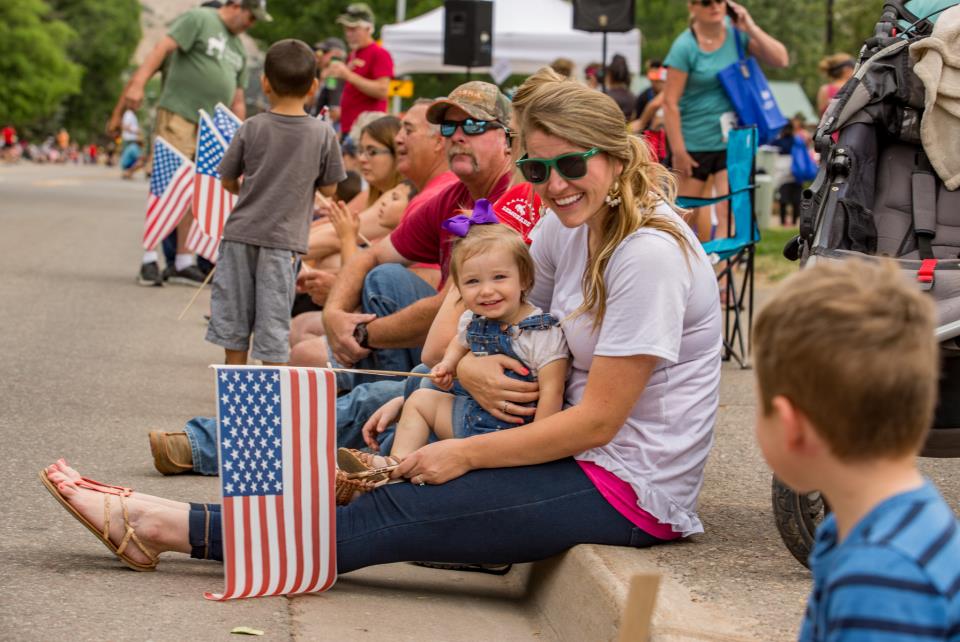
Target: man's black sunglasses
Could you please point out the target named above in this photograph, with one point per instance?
(470, 126)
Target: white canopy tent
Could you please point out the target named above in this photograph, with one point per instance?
(528, 34)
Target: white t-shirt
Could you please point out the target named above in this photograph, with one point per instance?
(536, 348)
(131, 126)
(656, 305)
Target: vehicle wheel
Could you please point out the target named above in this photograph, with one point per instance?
(797, 516)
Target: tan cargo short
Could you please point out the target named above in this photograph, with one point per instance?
(176, 130)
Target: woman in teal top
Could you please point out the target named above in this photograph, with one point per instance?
(695, 103)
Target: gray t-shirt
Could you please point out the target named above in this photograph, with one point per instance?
(283, 160)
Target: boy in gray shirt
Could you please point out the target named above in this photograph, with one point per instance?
(284, 155)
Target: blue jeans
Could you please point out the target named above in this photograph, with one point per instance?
(387, 289)
(353, 410)
(492, 516)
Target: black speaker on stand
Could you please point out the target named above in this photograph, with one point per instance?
(468, 33)
(605, 16)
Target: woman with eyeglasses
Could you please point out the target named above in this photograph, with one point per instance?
(622, 464)
(697, 111)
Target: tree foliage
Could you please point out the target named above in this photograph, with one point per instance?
(799, 24)
(108, 32)
(36, 73)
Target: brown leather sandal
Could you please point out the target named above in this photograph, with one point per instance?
(104, 535)
(357, 461)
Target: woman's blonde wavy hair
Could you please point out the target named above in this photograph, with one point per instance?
(587, 118)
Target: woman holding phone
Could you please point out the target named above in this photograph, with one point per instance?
(697, 111)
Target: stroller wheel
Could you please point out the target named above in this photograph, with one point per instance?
(797, 516)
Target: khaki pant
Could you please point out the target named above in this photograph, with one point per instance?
(176, 130)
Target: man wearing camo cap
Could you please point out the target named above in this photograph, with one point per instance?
(473, 120)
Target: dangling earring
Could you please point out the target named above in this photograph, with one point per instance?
(612, 199)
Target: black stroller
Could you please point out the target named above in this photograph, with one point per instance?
(877, 195)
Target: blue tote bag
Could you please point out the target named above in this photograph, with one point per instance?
(801, 163)
(750, 94)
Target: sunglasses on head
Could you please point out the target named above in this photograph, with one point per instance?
(470, 127)
(707, 3)
(570, 166)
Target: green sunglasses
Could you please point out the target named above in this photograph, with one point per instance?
(570, 166)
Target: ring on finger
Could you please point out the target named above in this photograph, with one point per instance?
(506, 404)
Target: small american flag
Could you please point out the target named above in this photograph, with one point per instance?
(201, 243)
(211, 203)
(226, 122)
(171, 188)
(276, 430)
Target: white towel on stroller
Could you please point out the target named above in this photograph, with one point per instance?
(938, 66)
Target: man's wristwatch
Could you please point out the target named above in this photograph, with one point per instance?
(361, 336)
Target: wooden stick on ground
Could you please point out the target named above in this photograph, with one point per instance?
(635, 624)
(382, 373)
(197, 293)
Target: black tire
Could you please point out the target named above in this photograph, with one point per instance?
(797, 518)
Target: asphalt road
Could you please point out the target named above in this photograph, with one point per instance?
(89, 362)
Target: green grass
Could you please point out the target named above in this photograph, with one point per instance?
(770, 264)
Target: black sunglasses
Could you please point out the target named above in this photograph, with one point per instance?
(707, 3)
(570, 166)
(470, 126)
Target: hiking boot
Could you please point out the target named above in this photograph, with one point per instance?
(150, 274)
(171, 452)
(190, 275)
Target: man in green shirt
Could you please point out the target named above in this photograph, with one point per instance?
(203, 63)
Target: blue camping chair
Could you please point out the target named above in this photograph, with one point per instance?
(736, 253)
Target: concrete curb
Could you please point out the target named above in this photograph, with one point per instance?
(582, 595)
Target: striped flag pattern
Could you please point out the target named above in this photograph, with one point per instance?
(276, 431)
(171, 188)
(201, 243)
(211, 203)
(226, 122)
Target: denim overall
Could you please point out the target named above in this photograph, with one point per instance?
(485, 337)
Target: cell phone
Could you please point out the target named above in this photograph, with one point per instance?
(734, 16)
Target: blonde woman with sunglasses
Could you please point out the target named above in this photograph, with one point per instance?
(621, 464)
(696, 108)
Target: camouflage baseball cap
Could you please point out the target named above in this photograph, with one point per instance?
(481, 100)
(258, 8)
(356, 13)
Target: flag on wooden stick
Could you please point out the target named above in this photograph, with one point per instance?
(201, 243)
(226, 122)
(171, 188)
(276, 434)
(211, 203)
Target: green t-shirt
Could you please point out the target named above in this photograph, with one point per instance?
(207, 66)
(704, 99)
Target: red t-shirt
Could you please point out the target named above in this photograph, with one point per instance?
(9, 134)
(419, 237)
(372, 62)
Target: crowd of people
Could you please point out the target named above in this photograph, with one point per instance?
(529, 257)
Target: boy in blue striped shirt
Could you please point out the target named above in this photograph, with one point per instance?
(847, 369)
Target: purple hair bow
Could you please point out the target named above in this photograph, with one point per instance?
(482, 215)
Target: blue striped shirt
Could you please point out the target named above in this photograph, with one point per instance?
(895, 577)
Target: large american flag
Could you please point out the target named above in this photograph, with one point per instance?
(201, 243)
(276, 432)
(171, 188)
(211, 203)
(226, 122)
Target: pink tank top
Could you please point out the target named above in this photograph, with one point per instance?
(623, 498)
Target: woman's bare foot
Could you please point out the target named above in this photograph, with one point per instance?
(159, 527)
(62, 466)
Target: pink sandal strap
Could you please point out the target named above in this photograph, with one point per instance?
(94, 485)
